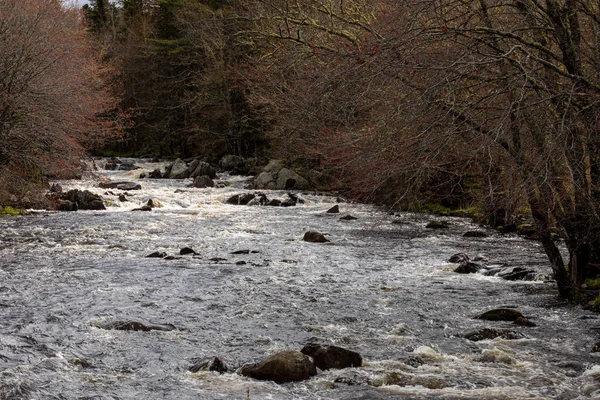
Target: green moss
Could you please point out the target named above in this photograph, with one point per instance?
(10, 211)
(593, 283)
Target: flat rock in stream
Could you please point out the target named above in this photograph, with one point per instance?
(493, 333)
(468, 267)
(285, 366)
(134, 326)
(348, 218)
(438, 225)
(314, 237)
(332, 357)
(120, 185)
(501, 314)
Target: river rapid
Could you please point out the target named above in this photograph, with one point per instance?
(382, 287)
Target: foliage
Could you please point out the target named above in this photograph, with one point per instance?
(50, 91)
(10, 211)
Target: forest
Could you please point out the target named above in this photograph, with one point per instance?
(484, 104)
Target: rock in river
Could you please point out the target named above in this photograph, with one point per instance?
(314, 237)
(127, 325)
(492, 333)
(332, 357)
(213, 364)
(286, 366)
(501, 314)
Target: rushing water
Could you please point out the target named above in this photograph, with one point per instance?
(382, 287)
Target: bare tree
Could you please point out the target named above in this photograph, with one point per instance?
(50, 93)
(508, 88)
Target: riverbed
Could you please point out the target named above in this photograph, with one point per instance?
(382, 286)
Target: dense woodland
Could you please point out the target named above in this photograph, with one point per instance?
(485, 103)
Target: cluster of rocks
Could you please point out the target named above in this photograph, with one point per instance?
(115, 164)
(468, 266)
(495, 315)
(75, 199)
(260, 199)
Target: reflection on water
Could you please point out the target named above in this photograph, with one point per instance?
(380, 288)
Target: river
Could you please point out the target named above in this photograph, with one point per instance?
(382, 286)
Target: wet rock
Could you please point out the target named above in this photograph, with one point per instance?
(526, 229)
(157, 254)
(286, 366)
(288, 179)
(353, 378)
(202, 169)
(213, 364)
(241, 252)
(265, 180)
(517, 274)
(84, 199)
(348, 218)
(291, 201)
(120, 185)
(492, 333)
(152, 203)
(122, 198)
(332, 357)
(314, 237)
(274, 203)
(438, 225)
(240, 199)
(500, 314)
(203, 181)
(475, 234)
(596, 348)
(56, 188)
(177, 170)
(187, 250)
(469, 267)
(459, 258)
(66, 205)
(134, 326)
(334, 210)
(156, 174)
(402, 379)
(231, 162)
(522, 321)
(259, 200)
(143, 208)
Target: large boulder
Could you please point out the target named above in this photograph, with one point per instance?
(231, 162)
(203, 181)
(84, 199)
(332, 357)
(265, 180)
(286, 366)
(201, 168)
(288, 179)
(178, 170)
(241, 199)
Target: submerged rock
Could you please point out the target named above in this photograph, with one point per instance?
(469, 267)
(475, 234)
(120, 185)
(203, 181)
(332, 357)
(438, 225)
(134, 326)
(157, 254)
(459, 258)
(241, 199)
(492, 333)
(500, 314)
(314, 237)
(213, 364)
(286, 366)
(348, 218)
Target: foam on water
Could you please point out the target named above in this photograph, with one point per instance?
(382, 288)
